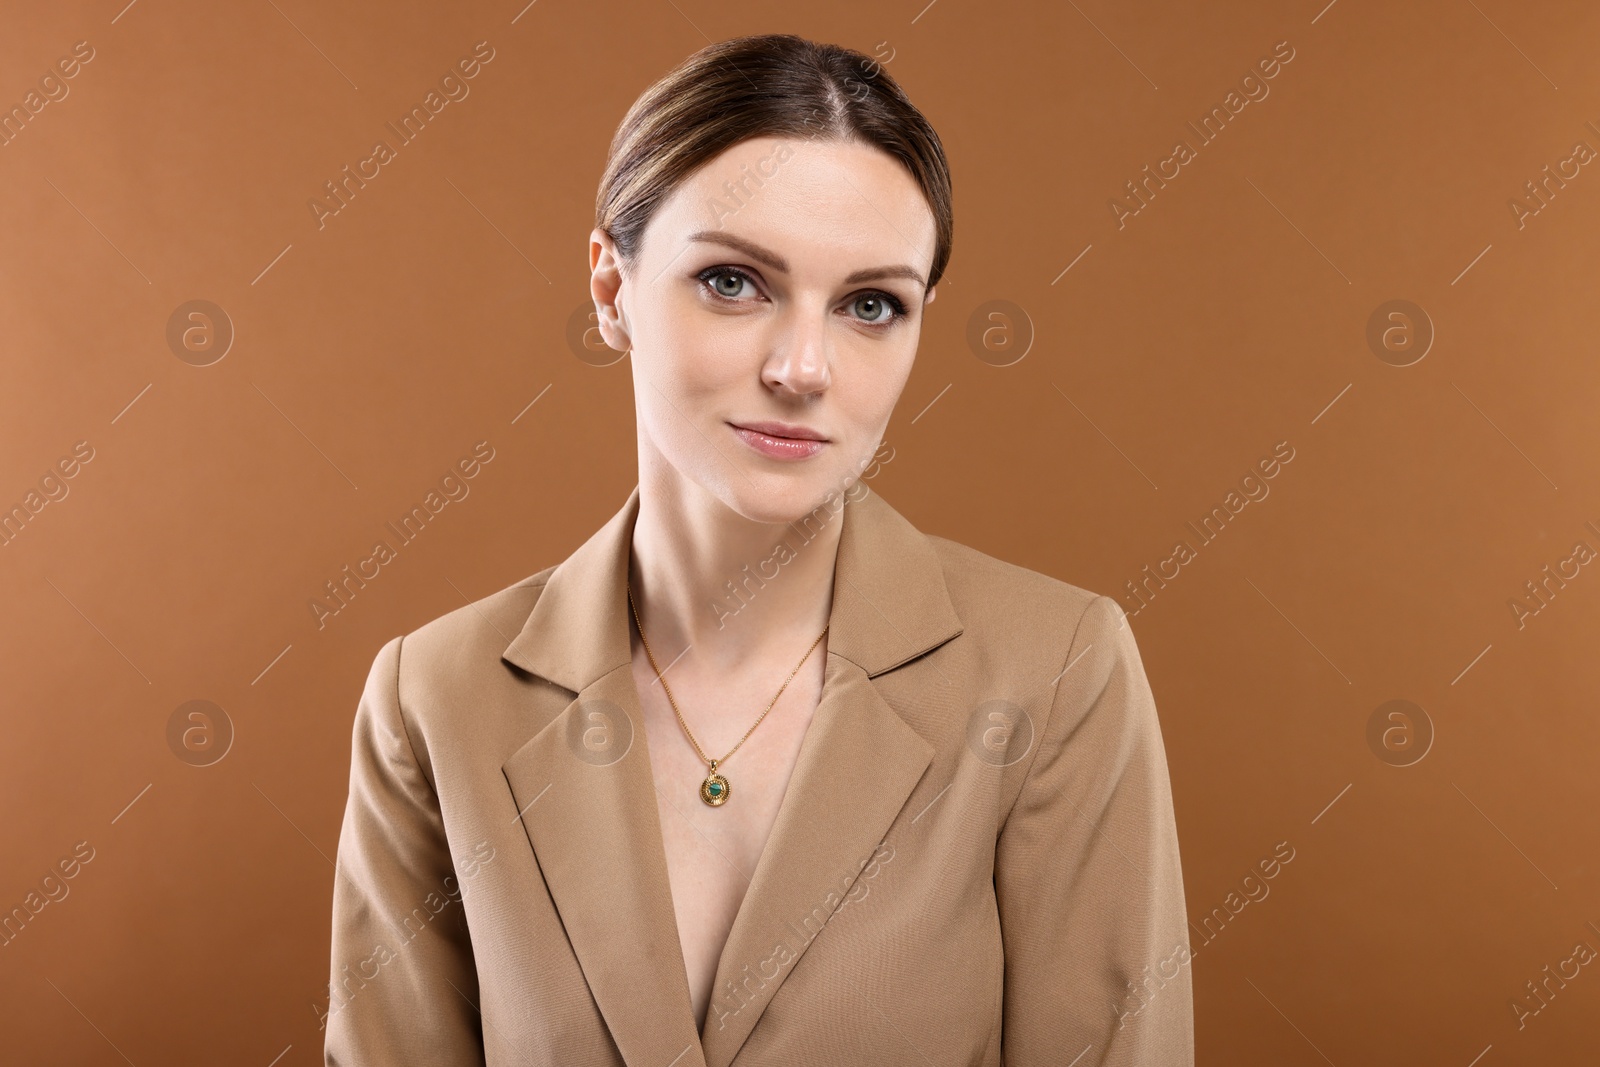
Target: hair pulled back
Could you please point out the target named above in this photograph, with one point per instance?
(764, 85)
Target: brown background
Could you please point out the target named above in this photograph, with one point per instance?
(1230, 314)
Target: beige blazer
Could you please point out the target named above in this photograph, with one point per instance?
(975, 863)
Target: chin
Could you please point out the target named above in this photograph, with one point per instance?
(787, 499)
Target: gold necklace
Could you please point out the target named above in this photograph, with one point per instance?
(715, 789)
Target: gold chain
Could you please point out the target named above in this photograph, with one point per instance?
(714, 763)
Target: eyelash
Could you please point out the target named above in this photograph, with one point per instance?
(895, 303)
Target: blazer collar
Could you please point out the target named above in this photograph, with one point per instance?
(890, 603)
(584, 787)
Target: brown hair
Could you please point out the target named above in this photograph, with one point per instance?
(764, 85)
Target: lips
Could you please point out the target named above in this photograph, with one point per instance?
(782, 430)
(771, 439)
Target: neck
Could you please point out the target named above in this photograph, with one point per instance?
(732, 591)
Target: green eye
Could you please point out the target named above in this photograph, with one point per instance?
(879, 302)
(716, 279)
(738, 277)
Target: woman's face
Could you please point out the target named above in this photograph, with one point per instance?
(780, 283)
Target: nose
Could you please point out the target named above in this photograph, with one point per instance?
(799, 356)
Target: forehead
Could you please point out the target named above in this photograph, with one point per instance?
(822, 205)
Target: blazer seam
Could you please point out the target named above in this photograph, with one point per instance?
(1050, 713)
(405, 731)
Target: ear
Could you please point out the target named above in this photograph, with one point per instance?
(928, 297)
(605, 288)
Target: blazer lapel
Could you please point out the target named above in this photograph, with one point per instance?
(586, 793)
(585, 789)
(584, 785)
(857, 766)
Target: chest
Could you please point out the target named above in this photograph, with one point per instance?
(712, 851)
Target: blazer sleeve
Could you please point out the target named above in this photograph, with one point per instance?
(402, 968)
(1087, 875)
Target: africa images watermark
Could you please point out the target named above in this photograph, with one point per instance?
(1254, 86)
(452, 87)
(851, 887)
(1542, 590)
(53, 888)
(53, 488)
(738, 590)
(415, 922)
(340, 591)
(1540, 994)
(53, 89)
(1252, 487)
(1539, 192)
(736, 195)
(1140, 994)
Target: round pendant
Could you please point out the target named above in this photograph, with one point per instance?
(714, 790)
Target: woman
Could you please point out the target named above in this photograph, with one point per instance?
(761, 773)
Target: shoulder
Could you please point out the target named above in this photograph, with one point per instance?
(1057, 642)
(992, 595)
(453, 649)
(1072, 648)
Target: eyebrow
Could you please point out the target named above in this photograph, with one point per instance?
(778, 263)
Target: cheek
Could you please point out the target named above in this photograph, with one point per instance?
(681, 373)
(686, 348)
(691, 367)
(879, 380)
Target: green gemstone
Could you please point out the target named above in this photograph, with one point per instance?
(715, 789)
